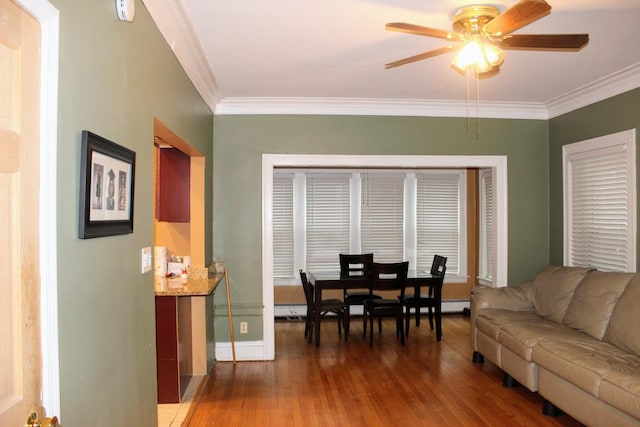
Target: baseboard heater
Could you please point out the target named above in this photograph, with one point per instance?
(284, 311)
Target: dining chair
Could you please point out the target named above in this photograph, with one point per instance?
(354, 265)
(333, 305)
(386, 277)
(417, 302)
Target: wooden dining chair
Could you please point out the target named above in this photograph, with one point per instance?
(333, 305)
(386, 277)
(417, 302)
(354, 265)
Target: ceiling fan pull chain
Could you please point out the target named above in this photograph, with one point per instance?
(466, 75)
(477, 105)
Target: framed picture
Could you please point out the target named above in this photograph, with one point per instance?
(107, 173)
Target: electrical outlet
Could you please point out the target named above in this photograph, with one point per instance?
(244, 328)
(147, 260)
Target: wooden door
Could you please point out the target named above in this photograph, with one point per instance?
(20, 353)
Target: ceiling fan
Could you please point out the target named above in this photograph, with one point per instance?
(482, 32)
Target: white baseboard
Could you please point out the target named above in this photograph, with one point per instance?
(245, 351)
(255, 350)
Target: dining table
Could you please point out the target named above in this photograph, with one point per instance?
(322, 280)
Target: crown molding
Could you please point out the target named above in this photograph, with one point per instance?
(614, 84)
(175, 26)
(380, 107)
(611, 85)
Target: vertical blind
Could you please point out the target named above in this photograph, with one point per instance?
(438, 219)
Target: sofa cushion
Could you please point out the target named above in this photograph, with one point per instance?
(492, 321)
(584, 362)
(624, 325)
(622, 389)
(553, 289)
(593, 302)
(522, 332)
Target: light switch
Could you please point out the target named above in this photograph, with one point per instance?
(147, 259)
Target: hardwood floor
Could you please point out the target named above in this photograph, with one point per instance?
(425, 383)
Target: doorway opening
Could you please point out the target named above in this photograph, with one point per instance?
(497, 164)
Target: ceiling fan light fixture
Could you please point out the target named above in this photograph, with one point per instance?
(480, 55)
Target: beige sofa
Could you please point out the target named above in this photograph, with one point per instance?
(572, 335)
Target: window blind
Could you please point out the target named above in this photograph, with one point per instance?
(327, 219)
(438, 219)
(283, 225)
(599, 210)
(486, 225)
(382, 216)
(320, 214)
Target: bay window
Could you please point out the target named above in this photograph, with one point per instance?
(395, 214)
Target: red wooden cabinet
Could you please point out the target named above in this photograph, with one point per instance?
(173, 178)
(167, 350)
(173, 347)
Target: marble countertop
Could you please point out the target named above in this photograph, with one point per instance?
(176, 286)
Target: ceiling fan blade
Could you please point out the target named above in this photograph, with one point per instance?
(544, 41)
(517, 16)
(422, 56)
(422, 31)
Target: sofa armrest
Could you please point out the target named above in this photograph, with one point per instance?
(516, 298)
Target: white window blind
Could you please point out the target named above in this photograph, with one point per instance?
(438, 219)
(382, 216)
(600, 211)
(327, 219)
(319, 214)
(283, 225)
(486, 225)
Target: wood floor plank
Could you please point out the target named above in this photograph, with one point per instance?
(426, 383)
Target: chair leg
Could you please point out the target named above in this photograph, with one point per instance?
(379, 324)
(371, 331)
(407, 321)
(308, 325)
(364, 322)
(431, 317)
(340, 321)
(310, 336)
(400, 327)
(347, 321)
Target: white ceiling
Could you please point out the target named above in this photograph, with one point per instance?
(336, 49)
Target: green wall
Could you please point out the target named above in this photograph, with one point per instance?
(605, 117)
(240, 141)
(114, 79)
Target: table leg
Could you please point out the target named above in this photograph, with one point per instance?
(438, 297)
(317, 314)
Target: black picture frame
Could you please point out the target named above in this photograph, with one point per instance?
(107, 177)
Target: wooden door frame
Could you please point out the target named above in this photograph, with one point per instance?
(48, 17)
